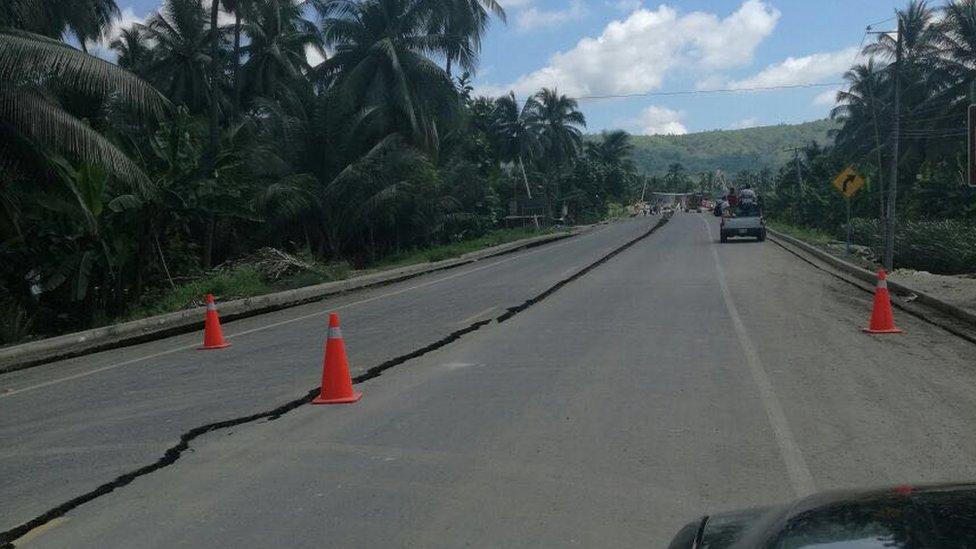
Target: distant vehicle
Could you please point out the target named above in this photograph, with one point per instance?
(745, 220)
(902, 517)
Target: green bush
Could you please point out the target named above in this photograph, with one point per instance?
(616, 211)
(944, 247)
(15, 323)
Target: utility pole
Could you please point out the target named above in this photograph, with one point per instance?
(889, 229)
(799, 179)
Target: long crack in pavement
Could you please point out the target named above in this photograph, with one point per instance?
(172, 454)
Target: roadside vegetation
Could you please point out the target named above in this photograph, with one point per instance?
(126, 185)
(935, 206)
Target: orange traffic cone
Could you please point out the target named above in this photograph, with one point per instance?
(213, 336)
(882, 320)
(336, 383)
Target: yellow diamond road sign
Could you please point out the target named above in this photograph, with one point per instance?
(848, 182)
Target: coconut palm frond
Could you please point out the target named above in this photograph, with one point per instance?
(26, 56)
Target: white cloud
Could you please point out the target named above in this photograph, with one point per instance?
(313, 55)
(224, 18)
(534, 18)
(654, 120)
(827, 98)
(750, 122)
(801, 70)
(634, 55)
(126, 19)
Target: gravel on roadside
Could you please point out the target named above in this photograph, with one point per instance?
(958, 290)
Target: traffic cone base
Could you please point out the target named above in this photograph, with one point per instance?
(223, 345)
(891, 331)
(341, 400)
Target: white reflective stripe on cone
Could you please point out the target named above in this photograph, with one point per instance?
(335, 333)
(883, 284)
(211, 307)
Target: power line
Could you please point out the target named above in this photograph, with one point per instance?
(879, 22)
(710, 91)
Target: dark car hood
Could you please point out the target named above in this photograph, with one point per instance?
(901, 517)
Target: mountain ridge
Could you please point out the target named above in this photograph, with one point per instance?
(729, 150)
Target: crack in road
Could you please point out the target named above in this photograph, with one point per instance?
(172, 454)
(512, 311)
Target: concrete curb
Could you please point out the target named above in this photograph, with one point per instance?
(26, 355)
(870, 277)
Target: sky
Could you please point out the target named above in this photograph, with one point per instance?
(647, 49)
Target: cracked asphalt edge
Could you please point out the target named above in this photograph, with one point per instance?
(172, 454)
(925, 314)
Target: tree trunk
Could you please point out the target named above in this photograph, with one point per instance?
(525, 177)
(206, 259)
(237, 62)
(214, 90)
(448, 67)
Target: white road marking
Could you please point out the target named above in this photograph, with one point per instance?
(477, 315)
(47, 526)
(796, 466)
(281, 323)
(567, 272)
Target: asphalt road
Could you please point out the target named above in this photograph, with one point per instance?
(679, 378)
(70, 426)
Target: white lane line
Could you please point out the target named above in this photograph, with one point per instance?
(796, 466)
(477, 315)
(281, 323)
(567, 272)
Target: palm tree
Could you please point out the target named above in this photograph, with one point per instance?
(379, 61)
(133, 51)
(89, 19)
(957, 41)
(464, 22)
(920, 52)
(865, 114)
(561, 135)
(86, 19)
(561, 126)
(33, 122)
(279, 36)
(181, 63)
(241, 9)
(613, 149)
(517, 132)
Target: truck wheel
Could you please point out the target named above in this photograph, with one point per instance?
(762, 235)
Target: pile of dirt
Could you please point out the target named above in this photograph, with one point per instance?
(959, 290)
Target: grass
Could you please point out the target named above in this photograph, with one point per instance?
(455, 249)
(238, 283)
(246, 281)
(813, 236)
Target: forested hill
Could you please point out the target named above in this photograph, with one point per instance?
(728, 150)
